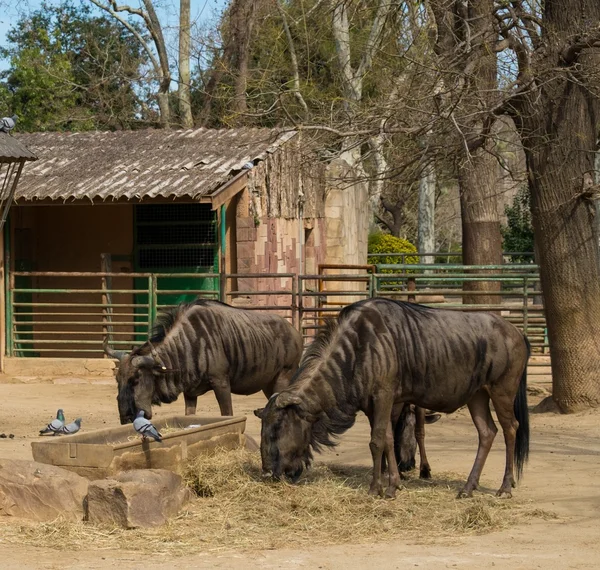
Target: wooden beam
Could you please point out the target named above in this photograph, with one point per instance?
(229, 190)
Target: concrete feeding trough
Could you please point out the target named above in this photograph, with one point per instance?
(102, 453)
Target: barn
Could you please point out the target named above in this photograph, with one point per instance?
(108, 227)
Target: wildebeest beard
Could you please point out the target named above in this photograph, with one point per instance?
(290, 434)
(126, 402)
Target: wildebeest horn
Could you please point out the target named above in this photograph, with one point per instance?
(286, 399)
(118, 354)
(155, 356)
(142, 361)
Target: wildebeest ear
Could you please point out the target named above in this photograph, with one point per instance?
(286, 399)
(259, 412)
(432, 418)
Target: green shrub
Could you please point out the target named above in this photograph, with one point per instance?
(386, 243)
(518, 233)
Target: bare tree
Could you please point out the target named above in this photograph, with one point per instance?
(185, 105)
(158, 56)
(233, 62)
(465, 45)
(556, 106)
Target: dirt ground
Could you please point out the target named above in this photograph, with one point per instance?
(562, 477)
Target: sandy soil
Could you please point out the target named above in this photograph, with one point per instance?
(563, 477)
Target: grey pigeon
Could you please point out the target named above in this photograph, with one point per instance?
(145, 428)
(56, 425)
(72, 428)
(8, 123)
(248, 165)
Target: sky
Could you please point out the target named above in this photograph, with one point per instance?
(202, 11)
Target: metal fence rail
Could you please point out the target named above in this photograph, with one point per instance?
(71, 313)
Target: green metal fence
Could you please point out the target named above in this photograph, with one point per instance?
(68, 313)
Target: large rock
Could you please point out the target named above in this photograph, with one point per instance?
(40, 492)
(138, 498)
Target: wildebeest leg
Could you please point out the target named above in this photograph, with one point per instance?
(503, 404)
(479, 407)
(382, 440)
(425, 469)
(190, 404)
(222, 391)
(393, 473)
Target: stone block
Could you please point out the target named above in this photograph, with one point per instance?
(138, 498)
(40, 492)
(247, 222)
(246, 250)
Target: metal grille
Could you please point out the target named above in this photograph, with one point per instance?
(175, 236)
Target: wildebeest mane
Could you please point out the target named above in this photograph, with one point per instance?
(329, 427)
(315, 349)
(167, 319)
(336, 420)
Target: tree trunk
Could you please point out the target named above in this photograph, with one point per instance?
(185, 106)
(559, 128)
(481, 237)
(426, 219)
(466, 39)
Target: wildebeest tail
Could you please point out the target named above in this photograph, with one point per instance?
(522, 415)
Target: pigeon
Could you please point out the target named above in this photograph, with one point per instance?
(145, 428)
(56, 425)
(71, 428)
(248, 165)
(8, 123)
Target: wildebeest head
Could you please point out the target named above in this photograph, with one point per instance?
(136, 378)
(285, 436)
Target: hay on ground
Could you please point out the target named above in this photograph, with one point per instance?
(235, 509)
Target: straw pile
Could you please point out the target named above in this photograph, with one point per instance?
(235, 509)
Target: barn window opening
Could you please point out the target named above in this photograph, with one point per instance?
(175, 237)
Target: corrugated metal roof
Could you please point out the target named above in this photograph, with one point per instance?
(12, 150)
(140, 164)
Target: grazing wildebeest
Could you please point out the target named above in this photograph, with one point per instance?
(380, 353)
(207, 345)
(408, 427)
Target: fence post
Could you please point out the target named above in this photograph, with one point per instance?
(10, 315)
(299, 284)
(152, 302)
(525, 305)
(294, 307)
(411, 285)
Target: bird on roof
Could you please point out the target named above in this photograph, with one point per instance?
(71, 428)
(56, 425)
(145, 428)
(8, 123)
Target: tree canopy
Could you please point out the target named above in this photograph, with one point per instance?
(70, 69)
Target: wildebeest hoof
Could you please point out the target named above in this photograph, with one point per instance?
(390, 493)
(376, 491)
(465, 494)
(503, 493)
(425, 473)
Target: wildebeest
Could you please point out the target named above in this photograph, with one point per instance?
(408, 427)
(207, 345)
(380, 353)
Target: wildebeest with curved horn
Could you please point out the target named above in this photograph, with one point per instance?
(380, 353)
(207, 345)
